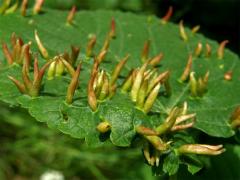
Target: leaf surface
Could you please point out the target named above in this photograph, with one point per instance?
(213, 110)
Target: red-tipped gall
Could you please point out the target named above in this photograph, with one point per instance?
(71, 15)
(168, 15)
(220, 51)
(145, 51)
(73, 85)
(112, 32)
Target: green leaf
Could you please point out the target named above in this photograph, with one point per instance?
(193, 163)
(213, 110)
(120, 116)
(171, 163)
(8, 91)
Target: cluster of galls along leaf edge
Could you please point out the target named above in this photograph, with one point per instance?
(143, 83)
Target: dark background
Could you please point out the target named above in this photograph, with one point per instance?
(219, 19)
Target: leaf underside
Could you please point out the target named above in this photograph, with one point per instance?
(213, 110)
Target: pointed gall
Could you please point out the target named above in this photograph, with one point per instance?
(51, 71)
(193, 85)
(187, 70)
(59, 69)
(151, 98)
(4, 5)
(20, 41)
(138, 81)
(38, 80)
(92, 100)
(203, 149)
(17, 52)
(101, 56)
(112, 90)
(181, 124)
(66, 56)
(117, 70)
(71, 15)
(156, 60)
(41, 48)
(106, 44)
(25, 76)
(159, 79)
(235, 118)
(183, 34)
(208, 50)
(157, 143)
(236, 114)
(68, 66)
(145, 51)
(13, 39)
(35, 68)
(25, 55)
(90, 46)
(7, 53)
(112, 32)
(146, 153)
(169, 122)
(184, 108)
(202, 84)
(12, 9)
(38, 6)
(148, 73)
(168, 89)
(73, 85)
(168, 15)
(24, 7)
(151, 76)
(220, 51)
(95, 66)
(195, 29)
(128, 82)
(235, 124)
(19, 85)
(142, 94)
(74, 54)
(198, 49)
(105, 88)
(145, 131)
(98, 82)
(206, 77)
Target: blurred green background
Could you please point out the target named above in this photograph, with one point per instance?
(28, 148)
